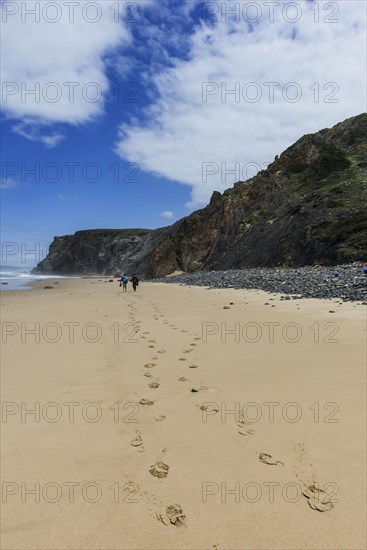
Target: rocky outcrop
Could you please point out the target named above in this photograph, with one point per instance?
(100, 251)
(308, 206)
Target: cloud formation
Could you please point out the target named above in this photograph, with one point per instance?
(36, 132)
(247, 89)
(54, 62)
(167, 214)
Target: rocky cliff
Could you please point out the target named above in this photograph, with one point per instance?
(308, 206)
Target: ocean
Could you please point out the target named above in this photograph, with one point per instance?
(18, 277)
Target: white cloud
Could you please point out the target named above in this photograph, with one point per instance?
(167, 214)
(64, 62)
(34, 132)
(61, 197)
(184, 139)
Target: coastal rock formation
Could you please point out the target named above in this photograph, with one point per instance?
(307, 207)
(99, 251)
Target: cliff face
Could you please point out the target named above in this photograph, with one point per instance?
(100, 251)
(309, 206)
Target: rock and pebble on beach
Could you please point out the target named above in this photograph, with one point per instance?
(291, 283)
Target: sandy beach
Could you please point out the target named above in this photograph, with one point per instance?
(181, 418)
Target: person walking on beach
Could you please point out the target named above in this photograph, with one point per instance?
(135, 282)
(123, 283)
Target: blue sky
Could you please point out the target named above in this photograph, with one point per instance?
(164, 131)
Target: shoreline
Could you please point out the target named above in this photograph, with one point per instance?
(346, 282)
(25, 283)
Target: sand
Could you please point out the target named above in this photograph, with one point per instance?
(267, 452)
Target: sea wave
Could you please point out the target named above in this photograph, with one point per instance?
(18, 279)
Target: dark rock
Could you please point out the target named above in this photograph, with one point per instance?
(303, 282)
(48, 287)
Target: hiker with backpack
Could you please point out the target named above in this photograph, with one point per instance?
(123, 283)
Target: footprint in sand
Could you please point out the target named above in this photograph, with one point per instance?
(155, 384)
(317, 499)
(160, 469)
(151, 346)
(137, 440)
(183, 379)
(161, 351)
(268, 459)
(151, 341)
(193, 366)
(149, 365)
(173, 516)
(160, 417)
(182, 359)
(187, 350)
(146, 332)
(210, 407)
(193, 344)
(244, 428)
(146, 402)
(197, 338)
(147, 374)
